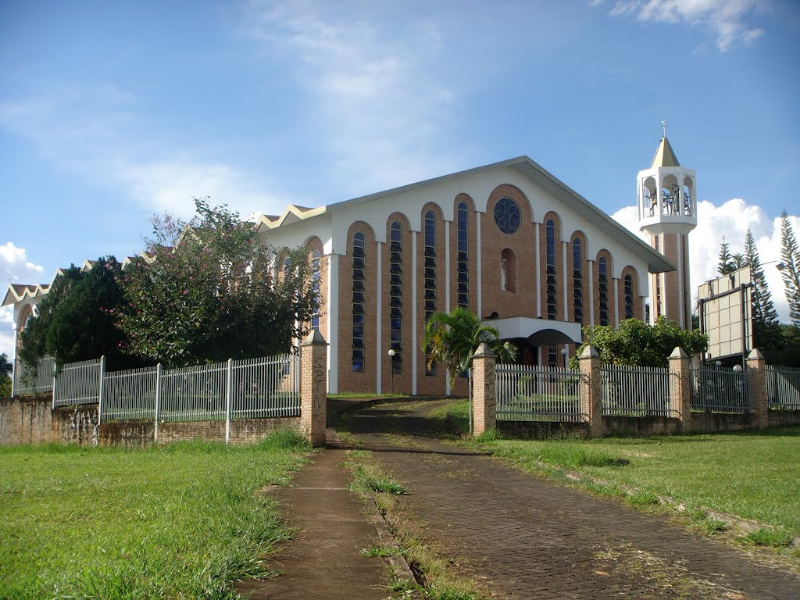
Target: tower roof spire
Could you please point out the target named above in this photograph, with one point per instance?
(665, 156)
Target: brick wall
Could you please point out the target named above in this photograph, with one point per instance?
(430, 384)
(519, 298)
(31, 420)
(643, 426)
(348, 380)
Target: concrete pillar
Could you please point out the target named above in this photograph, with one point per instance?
(680, 389)
(484, 398)
(592, 390)
(757, 378)
(314, 399)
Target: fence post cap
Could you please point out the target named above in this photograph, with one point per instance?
(589, 352)
(314, 338)
(755, 354)
(678, 353)
(483, 351)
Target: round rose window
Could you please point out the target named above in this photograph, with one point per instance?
(506, 215)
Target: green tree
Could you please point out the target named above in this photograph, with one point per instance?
(763, 309)
(726, 264)
(206, 292)
(76, 320)
(453, 338)
(790, 271)
(637, 343)
(5, 379)
(33, 339)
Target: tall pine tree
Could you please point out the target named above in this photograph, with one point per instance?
(764, 312)
(790, 271)
(726, 264)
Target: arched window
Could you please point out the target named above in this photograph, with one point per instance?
(628, 297)
(602, 271)
(359, 300)
(550, 237)
(315, 276)
(508, 271)
(577, 279)
(430, 278)
(463, 257)
(396, 295)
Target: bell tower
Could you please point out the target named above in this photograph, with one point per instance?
(667, 213)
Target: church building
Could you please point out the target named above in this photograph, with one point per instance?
(507, 241)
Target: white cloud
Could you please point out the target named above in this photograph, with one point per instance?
(92, 132)
(732, 220)
(378, 100)
(171, 186)
(14, 268)
(726, 18)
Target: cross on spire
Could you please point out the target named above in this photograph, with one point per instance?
(664, 125)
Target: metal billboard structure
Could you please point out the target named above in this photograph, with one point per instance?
(726, 315)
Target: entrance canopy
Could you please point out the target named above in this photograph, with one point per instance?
(538, 332)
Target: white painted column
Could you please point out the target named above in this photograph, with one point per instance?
(565, 279)
(616, 301)
(480, 265)
(333, 324)
(591, 293)
(681, 290)
(415, 327)
(538, 293)
(447, 287)
(378, 317)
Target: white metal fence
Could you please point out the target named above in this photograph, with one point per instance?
(783, 388)
(721, 390)
(529, 393)
(630, 391)
(35, 380)
(130, 394)
(79, 383)
(244, 389)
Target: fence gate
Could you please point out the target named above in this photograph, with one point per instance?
(721, 390)
(630, 391)
(532, 393)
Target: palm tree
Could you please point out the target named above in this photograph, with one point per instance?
(453, 338)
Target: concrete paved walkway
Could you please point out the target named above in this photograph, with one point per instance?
(527, 537)
(324, 560)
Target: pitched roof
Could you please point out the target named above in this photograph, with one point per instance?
(665, 156)
(656, 262)
(18, 292)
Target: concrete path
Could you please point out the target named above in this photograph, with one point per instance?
(526, 537)
(324, 560)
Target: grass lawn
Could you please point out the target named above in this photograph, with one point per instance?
(754, 475)
(180, 521)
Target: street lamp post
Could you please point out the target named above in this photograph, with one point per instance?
(564, 353)
(391, 366)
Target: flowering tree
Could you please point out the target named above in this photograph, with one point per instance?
(205, 292)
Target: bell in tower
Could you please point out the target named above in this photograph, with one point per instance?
(667, 202)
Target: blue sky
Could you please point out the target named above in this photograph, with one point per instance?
(110, 112)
